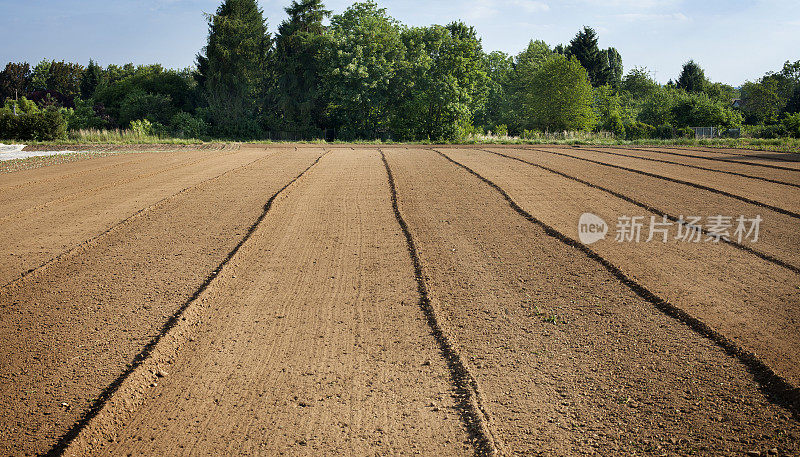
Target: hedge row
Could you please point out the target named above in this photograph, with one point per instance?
(44, 125)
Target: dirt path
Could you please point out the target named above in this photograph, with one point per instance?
(777, 195)
(71, 330)
(33, 238)
(570, 360)
(778, 234)
(310, 342)
(756, 303)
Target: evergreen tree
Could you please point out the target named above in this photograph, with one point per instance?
(584, 48)
(603, 66)
(232, 71)
(692, 78)
(300, 45)
(91, 79)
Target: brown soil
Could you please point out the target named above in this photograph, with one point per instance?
(782, 159)
(62, 219)
(708, 160)
(778, 235)
(227, 299)
(755, 302)
(571, 361)
(310, 342)
(778, 195)
(72, 328)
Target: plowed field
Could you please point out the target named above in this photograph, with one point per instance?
(420, 300)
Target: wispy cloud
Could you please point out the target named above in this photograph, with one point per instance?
(646, 17)
(531, 6)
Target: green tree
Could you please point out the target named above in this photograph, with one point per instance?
(560, 96)
(178, 86)
(497, 109)
(90, 80)
(449, 82)
(612, 64)
(39, 75)
(639, 83)
(156, 108)
(526, 64)
(608, 110)
(657, 107)
(234, 67)
(298, 65)
(692, 78)
(603, 66)
(65, 77)
(362, 65)
(793, 104)
(760, 101)
(15, 80)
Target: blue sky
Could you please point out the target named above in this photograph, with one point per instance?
(734, 40)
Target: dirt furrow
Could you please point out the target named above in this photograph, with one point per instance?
(746, 156)
(779, 198)
(632, 199)
(74, 329)
(472, 403)
(570, 360)
(36, 238)
(782, 177)
(756, 304)
(310, 341)
(778, 232)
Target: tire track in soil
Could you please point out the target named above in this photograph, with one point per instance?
(677, 181)
(764, 256)
(141, 358)
(84, 245)
(775, 387)
(697, 167)
(720, 159)
(471, 403)
(62, 199)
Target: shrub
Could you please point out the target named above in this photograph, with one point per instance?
(83, 116)
(685, 132)
(44, 125)
(665, 132)
(140, 105)
(612, 122)
(501, 130)
(639, 131)
(142, 127)
(791, 123)
(185, 125)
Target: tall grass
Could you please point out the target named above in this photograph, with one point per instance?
(122, 136)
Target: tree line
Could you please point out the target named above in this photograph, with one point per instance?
(364, 75)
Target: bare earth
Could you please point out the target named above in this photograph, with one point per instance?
(364, 300)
